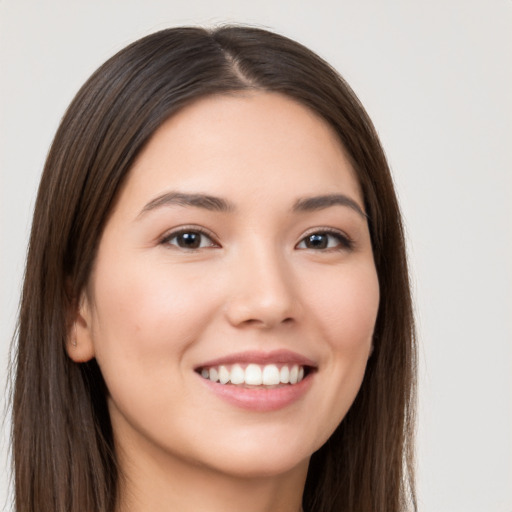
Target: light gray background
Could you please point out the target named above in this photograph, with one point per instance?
(436, 78)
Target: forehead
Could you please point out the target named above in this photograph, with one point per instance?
(252, 143)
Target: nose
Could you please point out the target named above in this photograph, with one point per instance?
(263, 292)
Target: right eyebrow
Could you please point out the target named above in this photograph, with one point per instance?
(204, 201)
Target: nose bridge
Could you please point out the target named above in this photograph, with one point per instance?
(263, 291)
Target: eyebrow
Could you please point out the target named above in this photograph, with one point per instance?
(204, 201)
(308, 204)
(218, 204)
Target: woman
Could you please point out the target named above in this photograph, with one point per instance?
(216, 312)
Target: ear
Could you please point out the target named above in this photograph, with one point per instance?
(79, 343)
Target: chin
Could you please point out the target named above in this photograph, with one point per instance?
(259, 454)
(263, 466)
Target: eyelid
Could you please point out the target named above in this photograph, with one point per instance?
(169, 235)
(346, 242)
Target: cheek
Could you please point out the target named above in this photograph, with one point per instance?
(346, 306)
(146, 319)
(142, 311)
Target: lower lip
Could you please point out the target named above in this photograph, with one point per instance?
(260, 399)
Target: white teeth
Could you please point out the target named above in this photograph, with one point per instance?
(294, 374)
(237, 375)
(223, 375)
(254, 375)
(284, 375)
(270, 375)
(214, 375)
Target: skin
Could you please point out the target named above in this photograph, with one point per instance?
(153, 311)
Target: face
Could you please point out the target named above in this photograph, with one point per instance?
(232, 303)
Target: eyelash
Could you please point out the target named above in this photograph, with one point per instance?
(189, 230)
(343, 241)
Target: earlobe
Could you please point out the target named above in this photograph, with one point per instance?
(79, 343)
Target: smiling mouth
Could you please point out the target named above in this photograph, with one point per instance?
(255, 375)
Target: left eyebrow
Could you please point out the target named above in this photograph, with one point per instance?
(308, 204)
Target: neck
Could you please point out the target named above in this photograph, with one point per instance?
(160, 486)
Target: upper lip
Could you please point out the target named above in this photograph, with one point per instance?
(260, 357)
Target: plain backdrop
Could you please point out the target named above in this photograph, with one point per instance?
(436, 78)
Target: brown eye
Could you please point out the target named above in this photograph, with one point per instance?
(317, 241)
(189, 239)
(325, 240)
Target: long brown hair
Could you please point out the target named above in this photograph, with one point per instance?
(62, 437)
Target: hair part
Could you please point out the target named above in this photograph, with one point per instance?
(63, 446)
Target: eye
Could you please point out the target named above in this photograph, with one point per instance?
(189, 239)
(325, 240)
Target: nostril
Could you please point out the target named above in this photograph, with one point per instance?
(259, 309)
(263, 323)
(252, 321)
